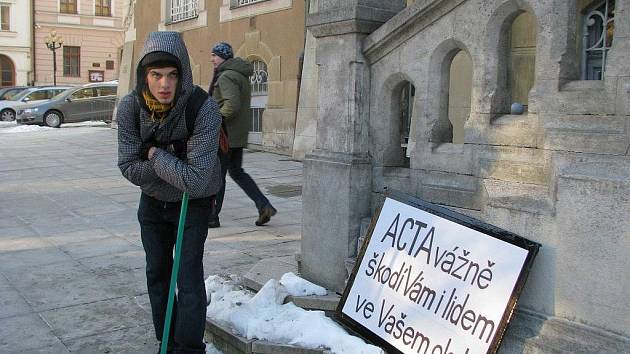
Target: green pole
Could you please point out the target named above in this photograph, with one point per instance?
(171, 292)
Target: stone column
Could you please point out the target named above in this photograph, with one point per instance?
(337, 173)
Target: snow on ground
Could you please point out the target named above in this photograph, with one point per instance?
(24, 129)
(12, 127)
(265, 317)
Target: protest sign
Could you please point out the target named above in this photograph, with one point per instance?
(429, 280)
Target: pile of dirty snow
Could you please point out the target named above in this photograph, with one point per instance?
(264, 316)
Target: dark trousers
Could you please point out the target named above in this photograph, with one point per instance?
(158, 228)
(232, 163)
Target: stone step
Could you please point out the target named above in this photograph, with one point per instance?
(530, 198)
(586, 142)
(602, 134)
(450, 189)
(511, 130)
(522, 165)
(274, 268)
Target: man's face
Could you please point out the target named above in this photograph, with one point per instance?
(163, 83)
(216, 60)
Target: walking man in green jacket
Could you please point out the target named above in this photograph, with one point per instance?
(231, 89)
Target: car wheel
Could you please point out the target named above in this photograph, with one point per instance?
(53, 119)
(7, 115)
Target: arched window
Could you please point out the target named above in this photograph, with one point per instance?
(259, 100)
(406, 99)
(522, 58)
(8, 71)
(598, 28)
(459, 94)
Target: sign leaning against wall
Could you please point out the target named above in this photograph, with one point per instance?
(429, 280)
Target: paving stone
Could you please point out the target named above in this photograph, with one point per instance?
(136, 340)
(96, 317)
(98, 247)
(26, 333)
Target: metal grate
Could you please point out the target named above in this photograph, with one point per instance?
(248, 2)
(256, 121)
(599, 26)
(182, 10)
(259, 78)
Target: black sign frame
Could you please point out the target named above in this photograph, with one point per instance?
(531, 247)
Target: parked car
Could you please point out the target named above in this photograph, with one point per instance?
(8, 107)
(88, 102)
(8, 92)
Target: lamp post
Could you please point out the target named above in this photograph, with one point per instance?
(54, 42)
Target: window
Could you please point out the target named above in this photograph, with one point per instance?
(71, 61)
(83, 93)
(239, 3)
(103, 8)
(255, 125)
(599, 26)
(7, 72)
(106, 91)
(109, 64)
(5, 17)
(182, 10)
(259, 78)
(68, 6)
(38, 95)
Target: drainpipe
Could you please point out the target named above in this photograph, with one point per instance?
(33, 29)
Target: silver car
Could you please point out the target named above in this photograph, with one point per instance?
(8, 108)
(85, 103)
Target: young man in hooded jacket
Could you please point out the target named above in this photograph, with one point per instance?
(157, 152)
(231, 88)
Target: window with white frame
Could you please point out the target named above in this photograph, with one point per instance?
(598, 30)
(182, 10)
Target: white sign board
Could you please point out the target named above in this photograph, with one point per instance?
(426, 284)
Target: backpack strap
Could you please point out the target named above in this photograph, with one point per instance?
(195, 101)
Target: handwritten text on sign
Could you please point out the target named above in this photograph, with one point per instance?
(430, 285)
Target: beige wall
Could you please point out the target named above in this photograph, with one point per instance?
(271, 31)
(100, 39)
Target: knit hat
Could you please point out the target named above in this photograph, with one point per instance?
(159, 60)
(223, 50)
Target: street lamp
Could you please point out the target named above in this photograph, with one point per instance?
(54, 42)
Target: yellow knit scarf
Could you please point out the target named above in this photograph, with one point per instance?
(159, 111)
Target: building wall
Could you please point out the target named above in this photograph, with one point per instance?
(16, 42)
(272, 31)
(557, 174)
(100, 39)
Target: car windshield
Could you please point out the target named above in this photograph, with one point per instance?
(21, 95)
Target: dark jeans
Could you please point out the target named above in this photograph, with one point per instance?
(232, 163)
(158, 228)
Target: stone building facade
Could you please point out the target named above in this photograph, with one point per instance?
(92, 32)
(269, 33)
(515, 112)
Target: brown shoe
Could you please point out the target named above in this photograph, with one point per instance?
(265, 215)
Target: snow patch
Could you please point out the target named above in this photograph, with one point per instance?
(297, 286)
(265, 317)
(24, 129)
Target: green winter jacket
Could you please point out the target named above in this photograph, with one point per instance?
(233, 93)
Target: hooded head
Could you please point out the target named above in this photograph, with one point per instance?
(162, 50)
(221, 52)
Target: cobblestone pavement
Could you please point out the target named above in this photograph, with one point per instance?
(71, 261)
